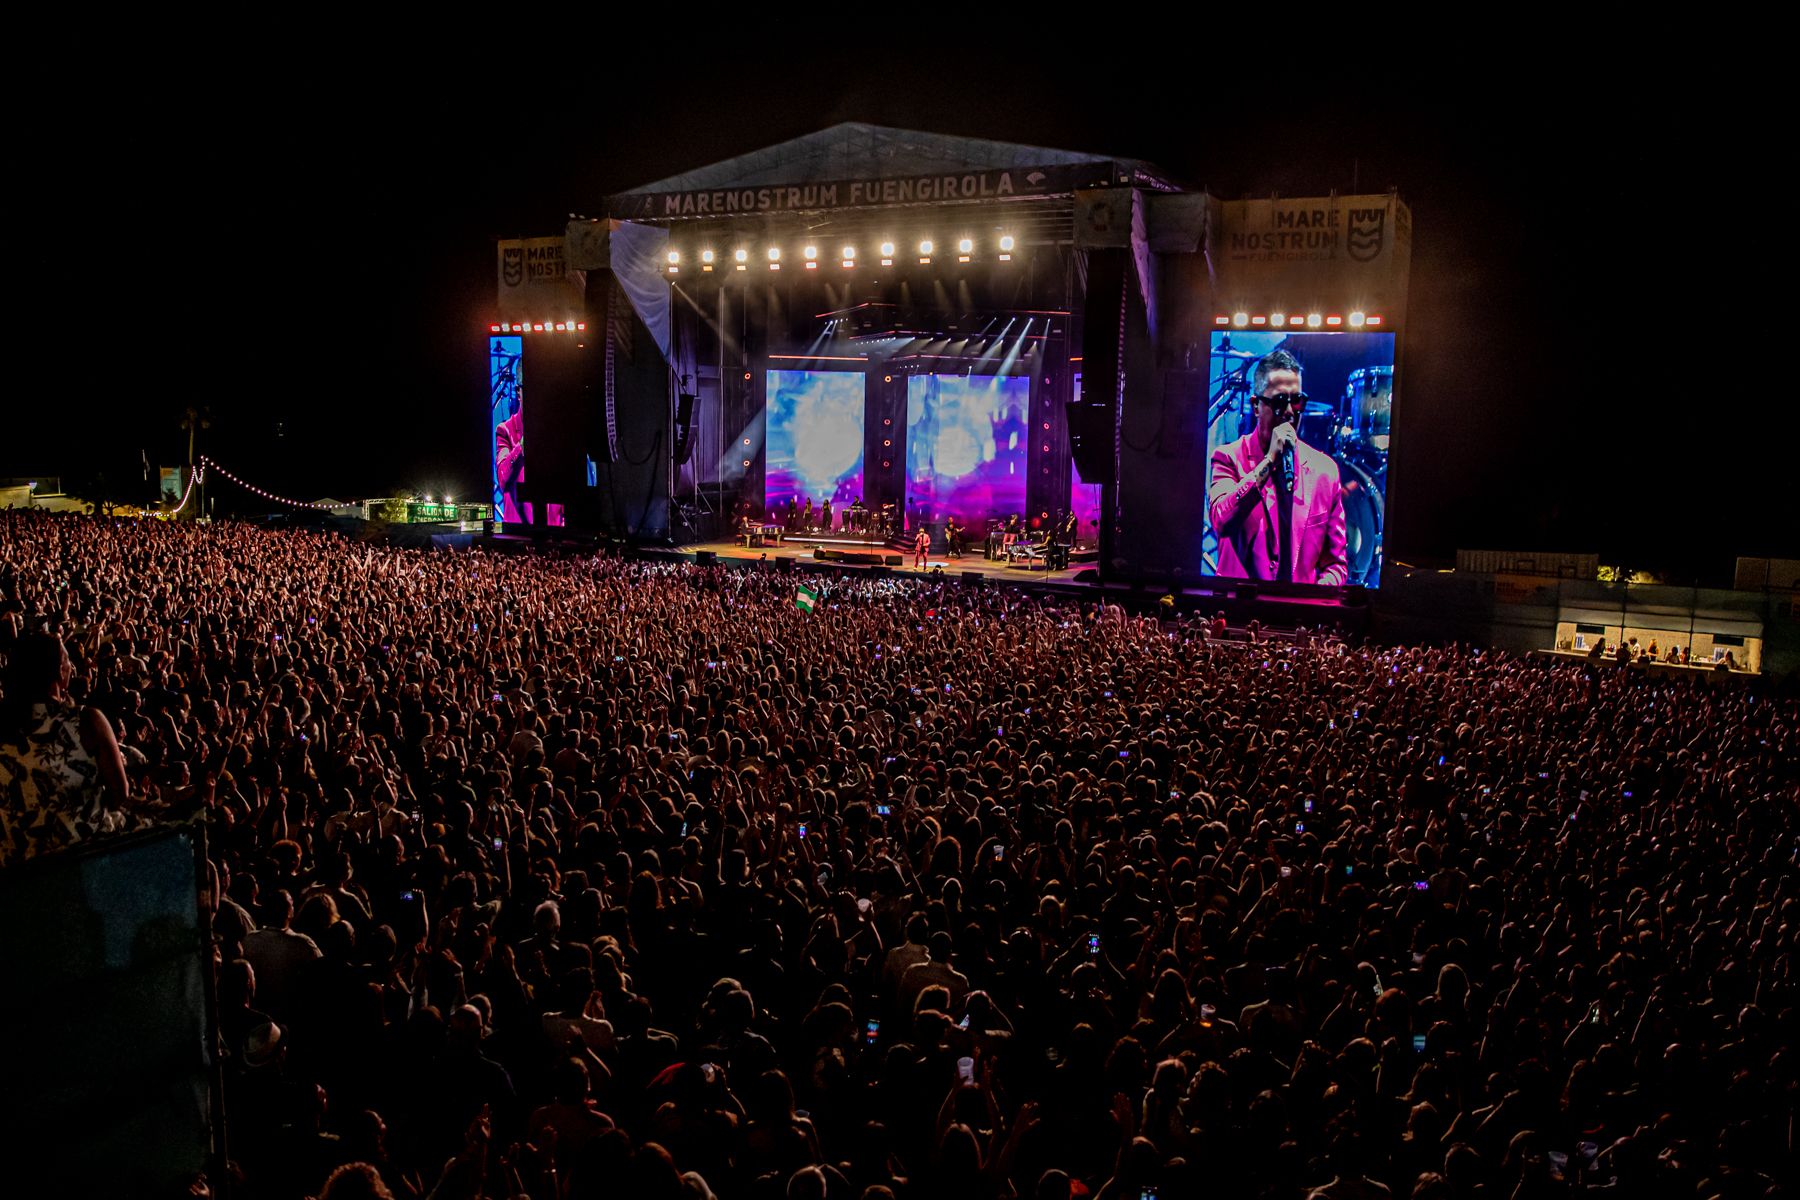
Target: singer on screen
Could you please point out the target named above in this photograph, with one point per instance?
(1275, 501)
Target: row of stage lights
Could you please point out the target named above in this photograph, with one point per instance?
(538, 327)
(1355, 320)
(809, 255)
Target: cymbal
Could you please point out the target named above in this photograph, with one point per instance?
(1234, 354)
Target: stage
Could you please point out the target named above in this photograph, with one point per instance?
(803, 549)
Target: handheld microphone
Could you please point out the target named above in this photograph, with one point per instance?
(1287, 468)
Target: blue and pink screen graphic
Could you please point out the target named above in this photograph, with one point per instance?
(966, 439)
(814, 439)
(506, 402)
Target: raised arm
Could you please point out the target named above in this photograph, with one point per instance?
(1230, 494)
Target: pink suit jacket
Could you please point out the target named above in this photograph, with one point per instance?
(1245, 517)
(509, 467)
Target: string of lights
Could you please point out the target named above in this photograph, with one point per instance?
(205, 463)
(192, 480)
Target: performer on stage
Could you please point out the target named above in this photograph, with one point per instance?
(1015, 528)
(1056, 545)
(921, 548)
(825, 515)
(953, 537)
(1276, 502)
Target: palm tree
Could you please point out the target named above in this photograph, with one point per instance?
(194, 419)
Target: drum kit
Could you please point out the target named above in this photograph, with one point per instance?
(883, 522)
(1355, 429)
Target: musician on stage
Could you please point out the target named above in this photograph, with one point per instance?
(855, 518)
(921, 548)
(1056, 549)
(1276, 502)
(806, 522)
(825, 515)
(953, 537)
(1010, 534)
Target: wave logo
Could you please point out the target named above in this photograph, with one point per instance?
(512, 265)
(1366, 233)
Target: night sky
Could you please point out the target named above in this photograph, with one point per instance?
(308, 252)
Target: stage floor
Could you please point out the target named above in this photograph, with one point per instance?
(801, 548)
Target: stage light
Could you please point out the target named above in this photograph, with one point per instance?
(1006, 242)
(1278, 318)
(742, 256)
(1296, 320)
(1240, 319)
(774, 253)
(1314, 320)
(887, 249)
(1334, 320)
(1259, 320)
(849, 252)
(706, 256)
(1374, 321)
(811, 252)
(1356, 320)
(493, 329)
(1221, 320)
(925, 246)
(674, 257)
(965, 246)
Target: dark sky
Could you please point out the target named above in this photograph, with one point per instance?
(309, 248)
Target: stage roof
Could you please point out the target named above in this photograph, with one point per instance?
(856, 151)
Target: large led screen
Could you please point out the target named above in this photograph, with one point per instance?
(506, 396)
(1317, 515)
(965, 446)
(506, 403)
(814, 439)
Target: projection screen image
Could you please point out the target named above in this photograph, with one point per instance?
(814, 439)
(965, 446)
(1319, 517)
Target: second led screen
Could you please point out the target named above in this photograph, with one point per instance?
(965, 446)
(815, 437)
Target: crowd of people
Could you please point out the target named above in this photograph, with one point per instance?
(594, 877)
